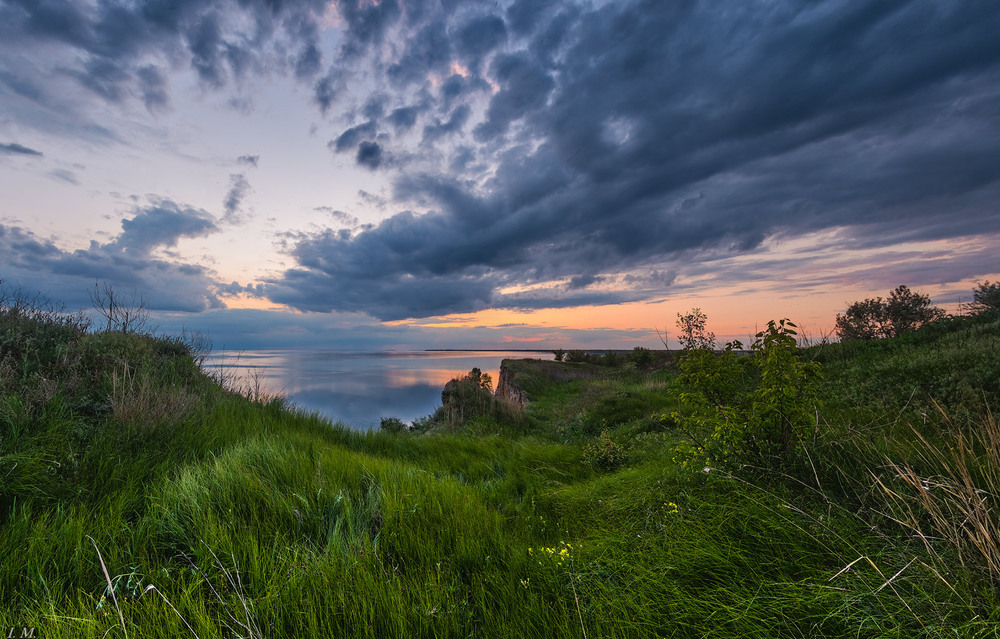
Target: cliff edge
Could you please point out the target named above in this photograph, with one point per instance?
(507, 390)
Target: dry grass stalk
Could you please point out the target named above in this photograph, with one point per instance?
(952, 505)
(135, 399)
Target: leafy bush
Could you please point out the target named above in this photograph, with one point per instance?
(753, 407)
(604, 454)
(392, 425)
(641, 357)
(720, 379)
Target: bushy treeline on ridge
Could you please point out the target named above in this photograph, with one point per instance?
(839, 490)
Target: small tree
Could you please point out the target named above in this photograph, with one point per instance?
(560, 354)
(577, 355)
(862, 320)
(875, 318)
(908, 311)
(782, 405)
(985, 297)
(692, 331)
(479, 379)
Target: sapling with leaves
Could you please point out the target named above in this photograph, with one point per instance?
(749, 408)
(693, 334)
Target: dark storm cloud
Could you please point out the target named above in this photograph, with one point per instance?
(427, 51)
(374, 108)
(309, 60)
(524, 16)
(478, 37)
(352, 136)
(126, 262)
(367, 22)
(108, 46)
(403, 118)
(208, 51)
(153, 86)
(583, 281)
(327, 89)
(652, 135)
(457, 86)
(369, 155)
(524, 88)
(161, 224)
(13, 148)
(584, 140)
(454, 124)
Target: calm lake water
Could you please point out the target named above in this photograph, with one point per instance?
(359, 389)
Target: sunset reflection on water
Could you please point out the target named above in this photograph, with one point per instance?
(359, 388)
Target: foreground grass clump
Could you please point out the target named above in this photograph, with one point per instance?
(141, 498)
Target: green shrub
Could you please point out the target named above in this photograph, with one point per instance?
(392, 425)
(641, 357)
(752, 408)
(604, 454)
(721, 380)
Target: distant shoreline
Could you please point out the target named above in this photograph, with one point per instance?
(488, 350)
(523, 350)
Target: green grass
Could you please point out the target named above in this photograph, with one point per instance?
(217, 515)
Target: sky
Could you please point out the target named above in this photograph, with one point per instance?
(389, 174)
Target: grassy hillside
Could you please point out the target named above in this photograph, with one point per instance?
(140, 497)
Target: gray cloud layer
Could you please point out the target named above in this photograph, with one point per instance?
(652, 134)
(113, 35)
(539, 150)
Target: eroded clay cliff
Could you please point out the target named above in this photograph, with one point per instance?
(506, 390)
